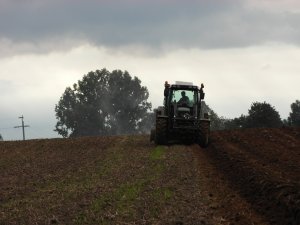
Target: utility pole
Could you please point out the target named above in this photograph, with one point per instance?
(23, 126)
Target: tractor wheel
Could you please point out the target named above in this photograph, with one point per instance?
(161, 133)
(204, 133)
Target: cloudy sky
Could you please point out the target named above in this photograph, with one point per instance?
(242, 50)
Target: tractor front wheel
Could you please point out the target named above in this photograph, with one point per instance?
(161, 132)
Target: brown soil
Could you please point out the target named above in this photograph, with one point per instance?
(244, 177)
(264, 166)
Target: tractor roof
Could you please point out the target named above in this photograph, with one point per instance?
(183, 83)
(184, 87)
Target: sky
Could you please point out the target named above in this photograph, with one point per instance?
(244, 51)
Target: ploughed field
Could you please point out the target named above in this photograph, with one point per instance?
(244, 177)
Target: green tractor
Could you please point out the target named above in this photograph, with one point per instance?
(183, 117)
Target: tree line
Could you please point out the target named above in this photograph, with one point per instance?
(112, 103)
(260, 114)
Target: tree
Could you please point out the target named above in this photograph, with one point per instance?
(216, 122)
(263, 115)
(286, 122)
(294, 118)
(147, 123)
(236, 123)
(103, 103)
(1, 138)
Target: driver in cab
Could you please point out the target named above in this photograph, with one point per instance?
(184, 99)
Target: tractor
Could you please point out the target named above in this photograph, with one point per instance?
(182, 117)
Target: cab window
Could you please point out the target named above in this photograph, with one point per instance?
(177, 95)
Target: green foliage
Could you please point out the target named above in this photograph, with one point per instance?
(162, 194)
(103, 103)
(294, 117)
(236, 123)
(122, 198)
(216, 122)
(157, 153)
(286, 122)
(263, 115)
(259, 115)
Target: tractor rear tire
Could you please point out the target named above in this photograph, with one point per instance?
(161, 133)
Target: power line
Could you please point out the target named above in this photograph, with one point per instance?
(23, 126)
(6, 128)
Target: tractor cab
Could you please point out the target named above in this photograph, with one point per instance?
(183, 100)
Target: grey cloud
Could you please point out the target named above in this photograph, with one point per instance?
(193, 24)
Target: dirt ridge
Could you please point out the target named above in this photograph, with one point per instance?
(278, 198)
